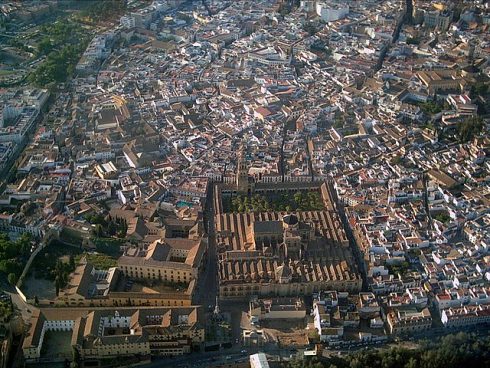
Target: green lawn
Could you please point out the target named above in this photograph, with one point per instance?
(100, 261)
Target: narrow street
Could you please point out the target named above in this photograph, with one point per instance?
(352, 241)
(207, 286)
(426, 201)
(22, 307)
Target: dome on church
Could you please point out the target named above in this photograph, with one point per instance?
(290, 220)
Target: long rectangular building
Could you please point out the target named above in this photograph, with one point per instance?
(172, 260)
(108, 332)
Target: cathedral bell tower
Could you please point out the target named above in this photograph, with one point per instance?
(242, 172)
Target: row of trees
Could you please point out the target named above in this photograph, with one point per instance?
(452, 351)
(300, 201)
(305, 201)
(255, 203)
(13, 255)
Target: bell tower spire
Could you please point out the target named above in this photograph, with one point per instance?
(242, 171)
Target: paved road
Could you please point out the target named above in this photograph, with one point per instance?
(208, 282)
(232, 355)
(352, 240)
(24, 308)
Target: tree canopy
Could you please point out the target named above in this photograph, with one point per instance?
(101, 10)
(63, 43)
(469, 128)
(13, 255)
(451, 351)
(300, 201)
(58, 66)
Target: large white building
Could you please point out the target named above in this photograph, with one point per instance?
(307, 5)
(465, 316)
(127, 21)
(331, 11)
(259, 360)
(106, 332)
(25, 120)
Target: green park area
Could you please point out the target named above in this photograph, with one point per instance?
(63, 43)
(55, 43)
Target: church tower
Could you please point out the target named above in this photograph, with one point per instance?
(242, 172)
(409, 11)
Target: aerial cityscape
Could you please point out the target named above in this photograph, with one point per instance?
(244, 183)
